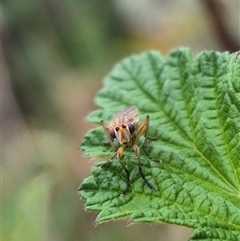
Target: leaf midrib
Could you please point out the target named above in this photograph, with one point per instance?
(182, 133)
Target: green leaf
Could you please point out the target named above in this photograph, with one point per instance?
(194, 109)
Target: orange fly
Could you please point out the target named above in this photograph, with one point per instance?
(125, 129)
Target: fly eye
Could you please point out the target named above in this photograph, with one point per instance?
(112, 133)
(131, 128)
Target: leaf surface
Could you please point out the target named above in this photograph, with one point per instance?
(194, 109)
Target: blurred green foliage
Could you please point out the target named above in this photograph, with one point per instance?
(43, 38)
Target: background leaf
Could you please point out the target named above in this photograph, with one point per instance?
(194, 108)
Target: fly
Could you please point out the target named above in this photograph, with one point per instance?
(125, 129)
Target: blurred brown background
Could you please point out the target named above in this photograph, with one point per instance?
(55, 55)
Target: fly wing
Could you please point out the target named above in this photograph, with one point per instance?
(127, 115)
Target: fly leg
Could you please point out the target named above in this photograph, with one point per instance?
(107, 131)
(127, 177)
(145, 151)
(119, 157)
(110, 141)
(143, 129)
(137, 152)
(105, 163)
(125, 170)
